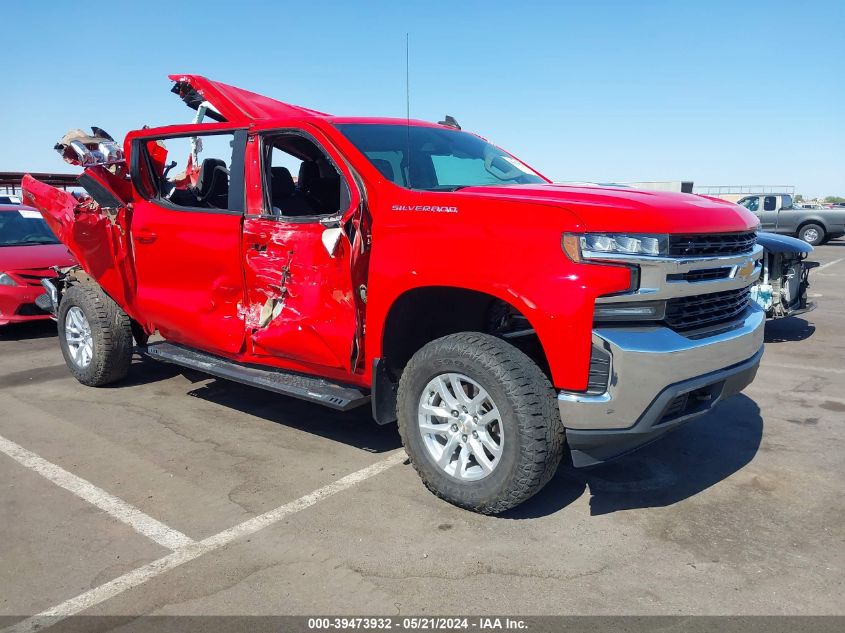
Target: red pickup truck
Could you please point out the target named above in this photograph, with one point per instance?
(411, 266)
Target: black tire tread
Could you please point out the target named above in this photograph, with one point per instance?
(532, 397)
(819, 227)
(111, 328)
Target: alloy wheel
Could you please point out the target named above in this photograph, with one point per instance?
(461, 426)
(80, 342)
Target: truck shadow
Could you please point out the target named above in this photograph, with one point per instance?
(788, 329)
(678, 466)
(354, 428)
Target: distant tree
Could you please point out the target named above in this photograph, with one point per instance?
(834, 199)
(799, 198)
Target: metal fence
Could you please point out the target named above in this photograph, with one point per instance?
(10, 181)
(718, 190)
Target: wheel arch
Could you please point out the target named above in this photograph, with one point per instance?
(812, 220)
(77, 276)
(424, 313)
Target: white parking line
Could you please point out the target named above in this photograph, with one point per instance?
(823, 266)
(115, 507)
(190, 552)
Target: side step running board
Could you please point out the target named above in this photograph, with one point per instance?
(325, 392)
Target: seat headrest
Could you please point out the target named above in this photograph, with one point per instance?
(206, 175)
(308, 172)
(281, 183)
(384, 167)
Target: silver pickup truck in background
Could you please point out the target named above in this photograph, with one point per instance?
(778, 214)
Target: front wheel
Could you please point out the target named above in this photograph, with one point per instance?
(813, 234)
(478, 421)
(95, 336)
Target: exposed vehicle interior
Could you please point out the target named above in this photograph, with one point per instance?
(203, 181)
(318, 188)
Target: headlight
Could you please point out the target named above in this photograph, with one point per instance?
(597, 246)
(5, 280)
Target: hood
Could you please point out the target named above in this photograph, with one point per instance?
(775, 243)
(619, 209)
(36, 256)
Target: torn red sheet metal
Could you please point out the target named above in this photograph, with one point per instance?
(235, 105)
(300, 304)
(98, 239)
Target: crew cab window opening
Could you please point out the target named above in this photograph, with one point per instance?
(302, 182)
(215, 185)
(769, 203)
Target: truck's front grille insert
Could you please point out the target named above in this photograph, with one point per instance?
(711, 245)
(687, 313)
(705, 274)
(599, 371)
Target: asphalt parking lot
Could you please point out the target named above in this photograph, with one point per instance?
(174, 493)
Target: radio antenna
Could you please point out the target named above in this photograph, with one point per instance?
(408, 104)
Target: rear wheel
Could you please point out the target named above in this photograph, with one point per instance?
(813, 234)
(479, 422)
(95, 335)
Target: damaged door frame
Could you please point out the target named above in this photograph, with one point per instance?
(213, 313)
(345, 222)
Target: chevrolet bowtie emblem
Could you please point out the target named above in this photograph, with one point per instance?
(744, 271)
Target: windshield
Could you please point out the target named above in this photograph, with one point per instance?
(24, 227)
(436, 159)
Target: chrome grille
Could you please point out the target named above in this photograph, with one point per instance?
(686, 313)
(712, 244)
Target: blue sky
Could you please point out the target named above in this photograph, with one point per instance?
(717, 92)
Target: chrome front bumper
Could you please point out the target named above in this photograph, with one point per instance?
(652, 370)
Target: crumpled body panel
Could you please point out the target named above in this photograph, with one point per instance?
(97, 237)
(300, 304)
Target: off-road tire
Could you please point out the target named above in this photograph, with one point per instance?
(820, 233)
(111, 332)
(534, 434)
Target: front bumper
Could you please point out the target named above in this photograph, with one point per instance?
(17, 304)
(659, 379)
